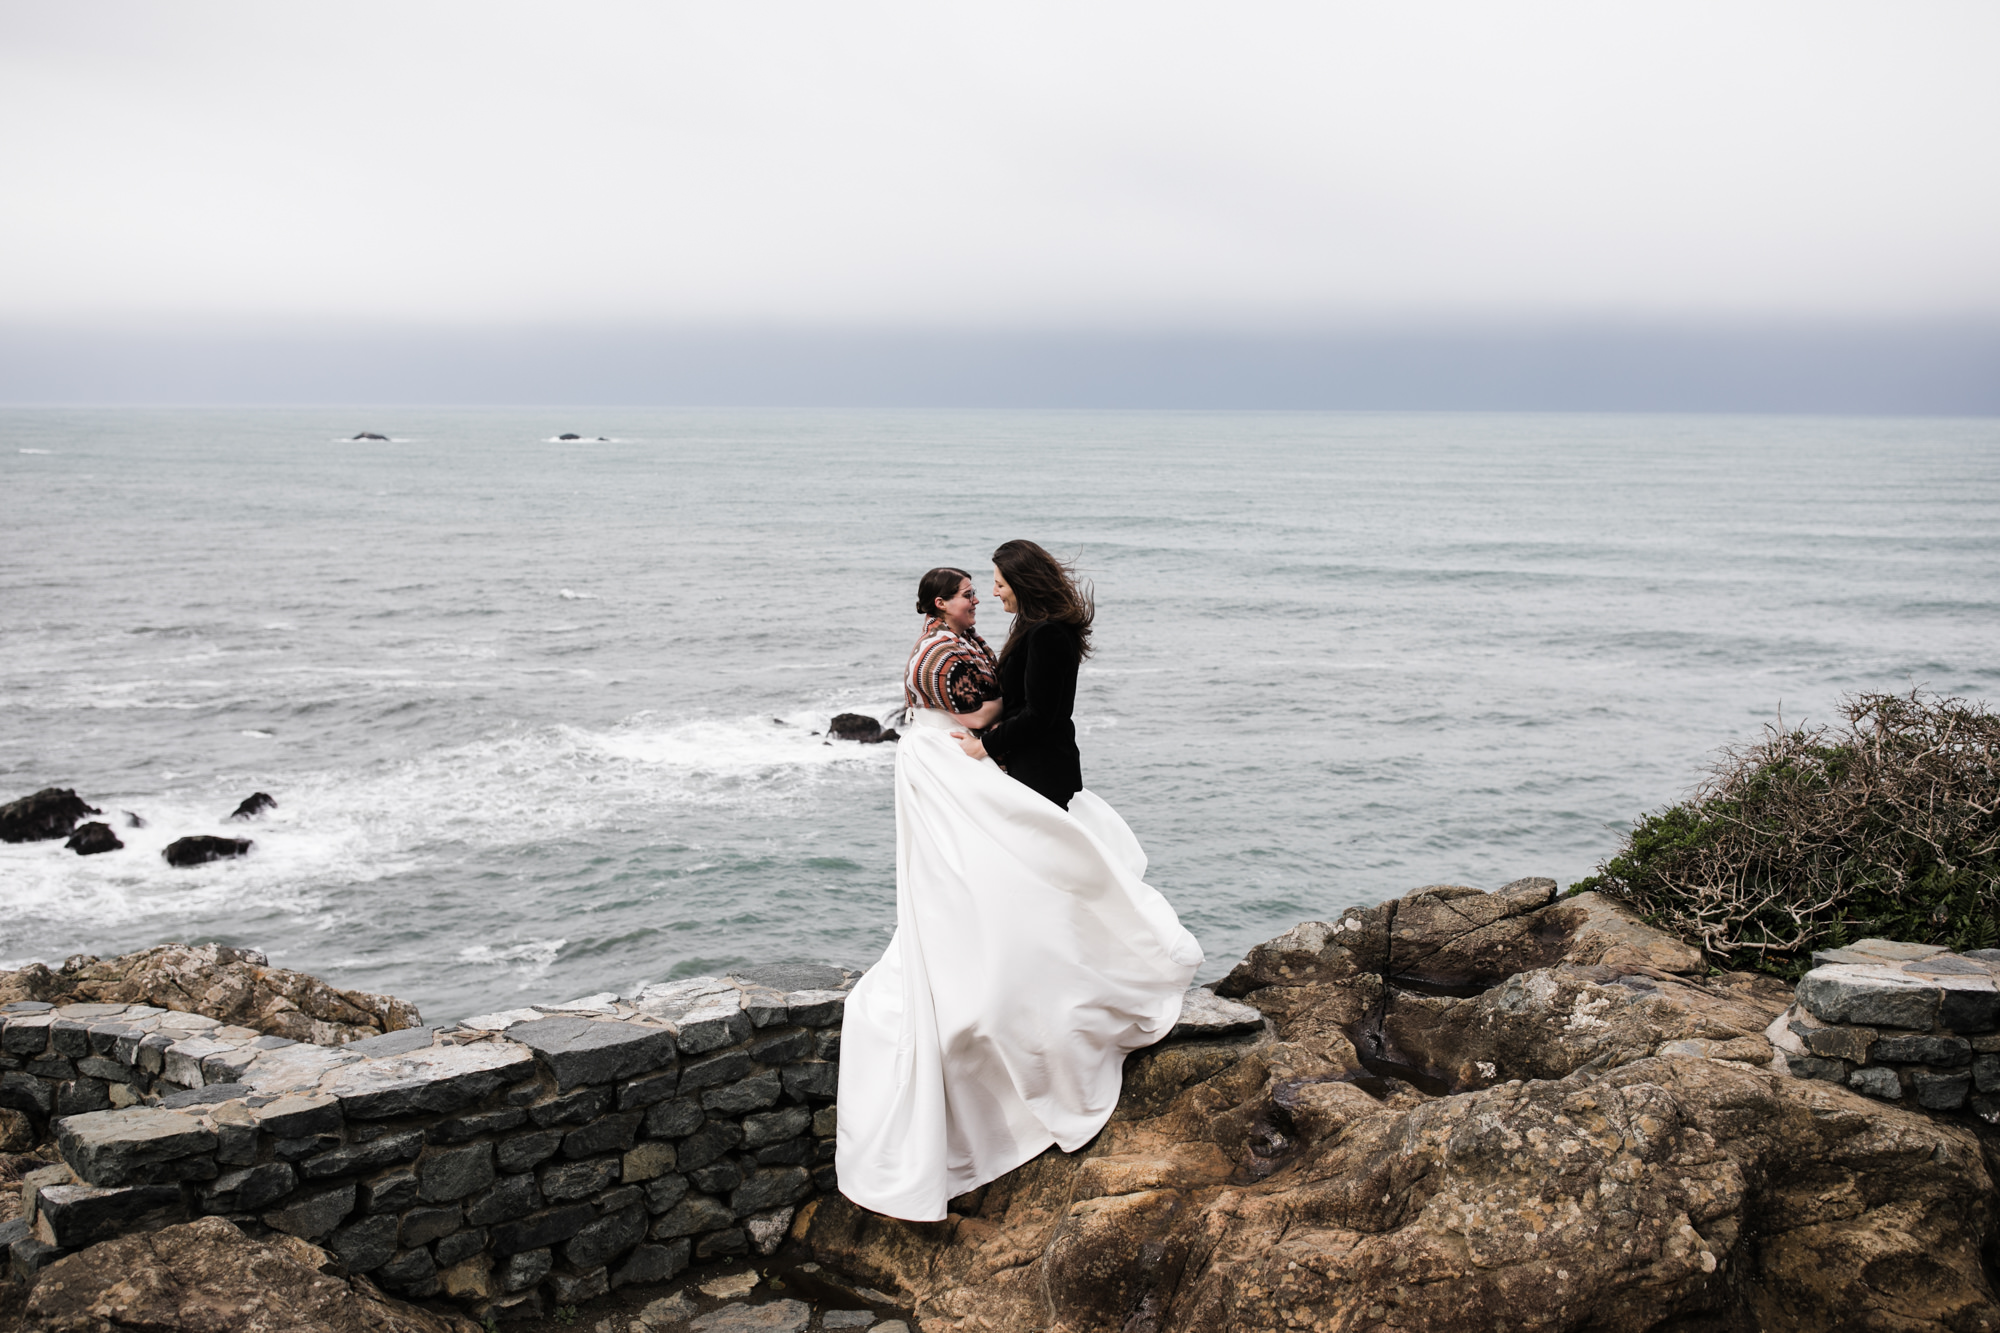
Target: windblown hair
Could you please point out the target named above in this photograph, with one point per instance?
(1044, 589)
(941, 582)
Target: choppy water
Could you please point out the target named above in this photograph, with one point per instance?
(539, 715)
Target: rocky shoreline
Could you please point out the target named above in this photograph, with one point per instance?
(1454, 1110)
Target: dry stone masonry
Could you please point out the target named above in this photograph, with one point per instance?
(551, 1150)
(1901, 1022)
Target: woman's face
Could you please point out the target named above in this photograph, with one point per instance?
(1002, 591)
(960, 608)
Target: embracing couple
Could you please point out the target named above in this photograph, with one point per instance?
(1030, 957)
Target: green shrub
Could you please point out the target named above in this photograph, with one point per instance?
(1887, 826)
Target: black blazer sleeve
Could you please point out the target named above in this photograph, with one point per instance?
(1048, 694)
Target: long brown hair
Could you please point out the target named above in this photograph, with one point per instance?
(941, 582)
(1044, 589)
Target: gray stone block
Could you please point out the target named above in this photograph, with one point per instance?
(80, 1096)
(296, 1150)
(29, 1255)
(826, 1121)
(714, 1071)
(606, 1239)
(73, 1216)
(421, 1226)
(1877, 1082)
(440, 1079)
(782, 1048)
(444, 1174)
(105, 1036)
(791, 1152)
(1913, 1048)
(576, 1288)
(652, 1158)
(392, 1043)
(1969, 1010)
(69, 1037)
(366, 1245)
(815, 1081)
(826, 1179)
(826, 1150)
(577, 1107)
(1939, 1091)
(708, 1143)
(692, 1216)
(766, 1008)
(248, 1189)
(582, 1051)
(26, 1034)
(55, 1068)
(714, 1024)
(205, 1096)
(301, 1115)
(458, 1246)
(511, 1197)
(847, 1319)
(540, 1230)
(410, 1271)
(785, 1316)
(460, 1128)
(717, 1177)
(314, 1213)
(721, 1244)
(1838, 1043)
(773, 1126)
(650, 1090)
(750, 1094)
(827, 1044)
(653, 1263)
(1986, 1073)
(518, 1272)
(611, 1133)
(664, 1192)
(1877, 951)
(675, 1119)
(817, 1008)
(1871, 994)
(137, 1146)
(22, 1091)
(388, 1150)
(524, 1152)
(770, 1187)
(389, 1192)
(577, 1180)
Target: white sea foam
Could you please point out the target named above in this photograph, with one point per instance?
(569, 596)
(37, 451)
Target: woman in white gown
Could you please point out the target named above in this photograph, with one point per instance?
(1029, 957)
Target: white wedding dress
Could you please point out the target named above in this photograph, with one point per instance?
(1029, 958)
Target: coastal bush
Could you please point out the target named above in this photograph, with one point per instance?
(1886, 824)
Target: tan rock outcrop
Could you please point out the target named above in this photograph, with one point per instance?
(1612, 1145)
(237, 986)
(208, 1277)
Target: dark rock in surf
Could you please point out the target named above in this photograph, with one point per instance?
(52, 812)
(132, 820)
(253, 805)
(890, 735)
(203, 848)
(567, 436)
(855, 727)
(370, 435)
(92, 838)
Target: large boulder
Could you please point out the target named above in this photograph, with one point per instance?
(209, 1277)
(1471, 1111)
(855, 727)
(51, 812)
(256, 803)
(93, 839)
(201, 848)
(234, 985)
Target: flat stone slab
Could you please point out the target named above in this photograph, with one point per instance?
(1887, 995)
(796, 976)
(777, 1317)
(1206, 1014)
(499, 1020)
(581, 1050)
(137, 1146)
(443, 1078)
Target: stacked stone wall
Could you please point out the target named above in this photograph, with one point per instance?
(551, 1151)
(1900, 1022)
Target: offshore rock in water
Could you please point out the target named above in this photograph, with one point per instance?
(232, 985)
(858, 727)
(370, 435)
(52, 812)
(202, 848)
(92, 838)
(1614, 1146)
(253, 805)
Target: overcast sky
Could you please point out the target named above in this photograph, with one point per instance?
(1091, 166)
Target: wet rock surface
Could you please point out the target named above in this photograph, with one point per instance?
(52, 812)
(201, 848)
(93, 839)
(253, 805)
(1470, 1111)
(856, 727)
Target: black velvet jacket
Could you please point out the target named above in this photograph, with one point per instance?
(1035, 737)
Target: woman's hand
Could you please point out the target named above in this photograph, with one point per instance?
(970, 744)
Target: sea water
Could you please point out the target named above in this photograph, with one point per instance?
(544, 717)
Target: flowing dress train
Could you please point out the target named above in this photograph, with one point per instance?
(1029, 959)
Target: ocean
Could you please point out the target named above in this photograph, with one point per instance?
(542, 717)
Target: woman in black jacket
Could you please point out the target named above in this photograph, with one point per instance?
(1035, 737)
